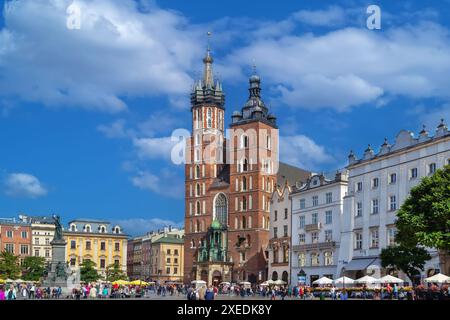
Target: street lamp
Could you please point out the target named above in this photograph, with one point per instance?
(344, 262)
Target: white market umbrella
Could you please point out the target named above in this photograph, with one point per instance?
(264, 284)
(438, 278)
(270, 282)
(390, 279)
(367, 280)
(279, 282)
(344, 280)
(225, 283)
(245, 283)
(323, 281)
(198, 282)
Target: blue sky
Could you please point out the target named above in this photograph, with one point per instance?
(86, 115)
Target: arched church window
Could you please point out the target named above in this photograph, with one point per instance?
(244, 223)
(245, 165)
(221, 209)
(197, 190)
(197, 171)
(197, 208)
(244, 183)
(244, 203)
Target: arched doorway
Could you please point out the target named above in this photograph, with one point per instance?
(217, 277)
(252, 278)
(285, 276)
(274, 276)
(204, 276)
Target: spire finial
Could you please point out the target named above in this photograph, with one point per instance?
(208, 60)
(209, 34)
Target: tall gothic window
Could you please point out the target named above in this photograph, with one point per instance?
(221, 209)
(209, 118)
(197, 171)
(197, 208)
(244, 183)
(245, 165)
(244, 203)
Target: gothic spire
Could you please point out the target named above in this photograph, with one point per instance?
(208, 80)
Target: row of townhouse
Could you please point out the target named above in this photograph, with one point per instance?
(335, 226)
(157, 256)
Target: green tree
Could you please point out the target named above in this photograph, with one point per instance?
(424, 218)
(114, 273)
(88, 273)
(410, 260)
(9, 265)
(33, 268)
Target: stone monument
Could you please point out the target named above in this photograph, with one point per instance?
(58, 273)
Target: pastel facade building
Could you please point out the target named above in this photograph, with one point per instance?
(379, 183)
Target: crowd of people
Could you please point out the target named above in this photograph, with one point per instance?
(203, 292)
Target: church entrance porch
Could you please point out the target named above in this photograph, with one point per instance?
(214, 273)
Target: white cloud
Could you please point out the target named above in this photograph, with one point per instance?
(114, 130)
(332, 16)
(167, 183)
(154, 148)
(140, 226)
(303, 152)
(24, 185)
(345, 68)
(119, 51)
(432, 118)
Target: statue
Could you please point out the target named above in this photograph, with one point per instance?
(60, 271)
(58, 228)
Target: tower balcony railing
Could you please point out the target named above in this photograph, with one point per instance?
(313, 227)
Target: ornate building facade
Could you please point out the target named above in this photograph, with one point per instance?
(378, 184)
(228, 185)
(97, 241)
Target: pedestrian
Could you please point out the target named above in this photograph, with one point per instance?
(2, 293)
(333, 292)
(24, 292)
(93, 293)
(209, 294)
(11, 293)
(32, 291)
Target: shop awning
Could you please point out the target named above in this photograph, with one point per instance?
(362, 264)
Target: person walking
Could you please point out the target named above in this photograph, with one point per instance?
(11, 293)
(93, 293)
(201, 293)
(333, 292)
(209, 294)
(32, 291)
(2, 293)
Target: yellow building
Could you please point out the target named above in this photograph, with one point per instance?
(98, 241)
(166, 259)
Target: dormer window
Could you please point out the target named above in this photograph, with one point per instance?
(87, 228)
(73, 227)
(102, 229)
(116, 229)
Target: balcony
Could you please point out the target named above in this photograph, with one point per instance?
(315, 246)
(313, 227)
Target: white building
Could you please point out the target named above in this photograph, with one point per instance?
(317, 208)
(280, 234)
(42, 233)
(378, 185)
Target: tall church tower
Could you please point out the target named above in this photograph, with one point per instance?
(253, 178)
(206, 181)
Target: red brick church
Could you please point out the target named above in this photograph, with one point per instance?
(229, 182)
